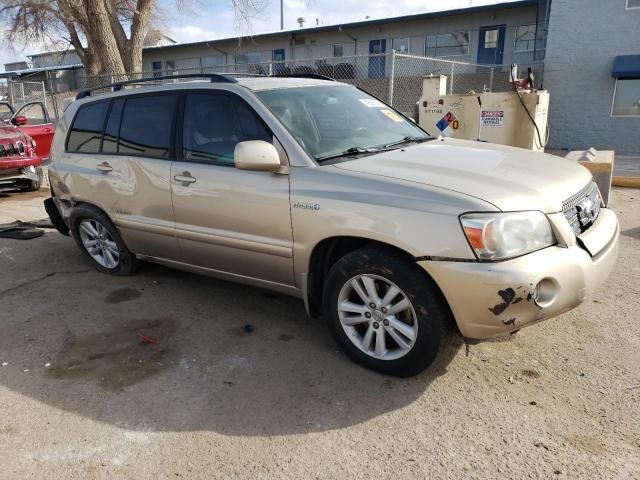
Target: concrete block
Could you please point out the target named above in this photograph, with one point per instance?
(600, 164)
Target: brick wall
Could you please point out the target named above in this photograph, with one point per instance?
(585, 36)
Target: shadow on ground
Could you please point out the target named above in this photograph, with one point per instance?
(228, 358)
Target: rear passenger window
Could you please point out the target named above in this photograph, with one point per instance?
(146, 126)
(214, 124)
(110, 140)
(86, 132)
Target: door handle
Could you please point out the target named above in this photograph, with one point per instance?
(185, 178)
(104, 167)
(48, 130)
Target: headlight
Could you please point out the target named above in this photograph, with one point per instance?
(497, 236)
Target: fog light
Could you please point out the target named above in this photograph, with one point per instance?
(545, 292)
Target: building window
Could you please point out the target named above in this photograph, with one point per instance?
(212, 61)
(338, 50)
(248, 58)
(400, 45)
(633, 4)
(448, 44)
(626, 99)
(491, 38)
(525, 38)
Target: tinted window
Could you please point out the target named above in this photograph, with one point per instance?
(214, 124)
(86, 133)
(110, 140)
(146, 126)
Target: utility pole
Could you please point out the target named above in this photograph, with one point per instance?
(281, 14)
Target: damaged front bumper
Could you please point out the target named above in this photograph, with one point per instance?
(17, 177)
(490, 299)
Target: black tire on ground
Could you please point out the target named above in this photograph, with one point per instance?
(127, 264)
(431, 310)
(35, 186)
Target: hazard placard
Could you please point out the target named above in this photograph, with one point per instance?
(449, 124)
(492, 118)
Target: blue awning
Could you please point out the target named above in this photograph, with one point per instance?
(626, 66)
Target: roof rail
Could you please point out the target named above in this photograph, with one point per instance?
(116, 87)
(304, 75)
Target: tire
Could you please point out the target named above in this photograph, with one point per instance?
(35, 186)
(426, 318)
(111, 255)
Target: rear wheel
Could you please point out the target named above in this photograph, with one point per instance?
(100, 241)
(385, 312)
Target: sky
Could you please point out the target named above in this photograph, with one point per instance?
(212, 19)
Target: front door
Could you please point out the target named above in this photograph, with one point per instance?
(35, 122)
(232, 221)
(377, 58)
(491, 46)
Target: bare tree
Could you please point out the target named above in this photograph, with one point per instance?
(96, 29)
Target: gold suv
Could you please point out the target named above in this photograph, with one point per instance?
(316, 189)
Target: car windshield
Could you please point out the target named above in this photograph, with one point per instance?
(331, 121)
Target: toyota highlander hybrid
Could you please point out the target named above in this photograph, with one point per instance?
(316, 189)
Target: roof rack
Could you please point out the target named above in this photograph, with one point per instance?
(305, 75)
(116, 87)
(213, 77)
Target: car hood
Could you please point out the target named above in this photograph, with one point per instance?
(9, 133)
(507, 177)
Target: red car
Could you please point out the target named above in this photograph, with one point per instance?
(25, 141)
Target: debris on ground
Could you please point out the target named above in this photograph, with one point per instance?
(21, 233)
(20, 230)
(248, 328)
(147, 339)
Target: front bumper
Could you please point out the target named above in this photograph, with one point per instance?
(490, 299)
(12, 178)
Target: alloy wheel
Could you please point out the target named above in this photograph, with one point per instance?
(378, 317)
(99, 243)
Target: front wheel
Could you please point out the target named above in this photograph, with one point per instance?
(385, 312)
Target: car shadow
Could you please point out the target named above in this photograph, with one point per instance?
(171, 351)
(632, 232)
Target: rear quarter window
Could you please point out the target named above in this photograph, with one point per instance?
(86, 132)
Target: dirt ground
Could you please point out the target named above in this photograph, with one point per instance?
(81, 397)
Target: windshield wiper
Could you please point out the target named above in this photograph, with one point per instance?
(405, 140)
(347, 152)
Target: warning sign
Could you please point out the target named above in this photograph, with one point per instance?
(492, 118)
(448, 125)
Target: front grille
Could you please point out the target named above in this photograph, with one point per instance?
(582, 209)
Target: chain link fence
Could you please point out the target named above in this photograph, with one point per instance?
(395, 78)
(19, 93)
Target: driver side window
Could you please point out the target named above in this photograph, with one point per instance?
(214, 124)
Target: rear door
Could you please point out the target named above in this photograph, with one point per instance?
(119, 158)
(229, 220)
(38, 126)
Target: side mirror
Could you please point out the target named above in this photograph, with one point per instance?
(20, 120)
(256, 155)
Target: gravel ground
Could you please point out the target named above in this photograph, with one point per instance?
(81, 397)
